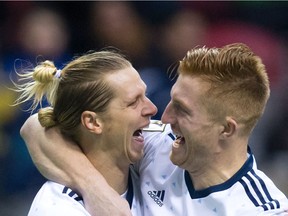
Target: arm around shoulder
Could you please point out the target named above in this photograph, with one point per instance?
(43, 149)
(61, 160)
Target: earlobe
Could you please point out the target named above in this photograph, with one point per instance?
(91, 122)
(229, 128)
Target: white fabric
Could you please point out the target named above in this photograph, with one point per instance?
(51, 201)
(165, 190)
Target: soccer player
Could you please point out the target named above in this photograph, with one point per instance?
(97, 101)
(219, 96)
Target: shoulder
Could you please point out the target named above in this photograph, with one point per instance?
(155, 126)
(157, 129)
(56, 199)
(158, 140)
(262, 192)
(157, 135)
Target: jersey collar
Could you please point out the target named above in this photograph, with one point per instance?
(194, 194)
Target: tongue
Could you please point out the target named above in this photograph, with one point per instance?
(139, 138)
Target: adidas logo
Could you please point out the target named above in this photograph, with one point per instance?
(157, 196)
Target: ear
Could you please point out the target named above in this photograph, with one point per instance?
(91, 122)
(229, 128)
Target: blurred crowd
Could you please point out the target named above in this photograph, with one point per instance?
(154, 35)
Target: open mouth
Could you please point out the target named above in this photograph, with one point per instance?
(180, 140)
(139, 139)
(137, 133)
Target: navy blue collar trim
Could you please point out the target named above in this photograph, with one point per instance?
(72, 194)
(248, 165)
(77, 197)
(130, 193)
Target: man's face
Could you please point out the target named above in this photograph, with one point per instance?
(128, 113)
(197, 135)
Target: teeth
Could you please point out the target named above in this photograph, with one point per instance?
(180, 140)
(137, 132)
(176, 144)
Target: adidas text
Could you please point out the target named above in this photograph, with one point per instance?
(157, 196)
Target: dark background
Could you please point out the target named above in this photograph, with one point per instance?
(154, 36)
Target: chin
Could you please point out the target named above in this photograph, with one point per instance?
(176, 161)
(135, 158)
(172, 159)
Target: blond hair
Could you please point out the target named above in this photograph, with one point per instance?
(80, 86)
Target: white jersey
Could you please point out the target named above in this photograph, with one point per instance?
(168, 189)
(54, 199)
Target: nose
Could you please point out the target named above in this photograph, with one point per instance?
(150, 109)
(168, 116)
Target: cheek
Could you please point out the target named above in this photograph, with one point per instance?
(207, 138)
(199, 148)
(196, 134)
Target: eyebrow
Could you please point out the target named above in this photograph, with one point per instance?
(134, 95)
(181, 104)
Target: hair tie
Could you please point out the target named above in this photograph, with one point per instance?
(58, 74)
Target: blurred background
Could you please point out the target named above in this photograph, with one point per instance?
(154, 36)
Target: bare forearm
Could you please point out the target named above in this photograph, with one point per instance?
(62, 161)
(45, 151)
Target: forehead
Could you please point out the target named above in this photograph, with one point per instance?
(126, 81)
(187, 86)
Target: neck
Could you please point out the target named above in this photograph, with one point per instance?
(116, 177)
(218, 170)
(107, 163)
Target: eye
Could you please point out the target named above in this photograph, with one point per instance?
(134, 103)
(180, 109)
